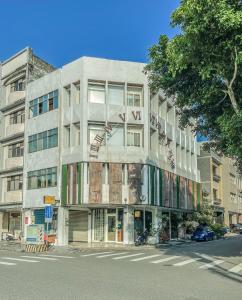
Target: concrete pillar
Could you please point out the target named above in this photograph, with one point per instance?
(128, 225)
(62, 226)
(1, 224)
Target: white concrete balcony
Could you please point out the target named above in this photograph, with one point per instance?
(14, 129)
(14, 162)
(178, 136)
(15, 96)
(13, 197)
(183, 142)
(169, 131)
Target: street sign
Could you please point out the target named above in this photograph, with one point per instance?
(48, 213)
(49, 199)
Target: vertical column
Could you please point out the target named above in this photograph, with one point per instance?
(62, 226)
(128, 225)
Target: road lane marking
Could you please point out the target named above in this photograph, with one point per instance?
(113, 254)
(38, 257)
(146, 257)
(7, 263)
(164, 259)
(93, 254)
(20, 259)
(127, 256)
(186, 262)
(212, 264)
(236, 269)
(52, 255)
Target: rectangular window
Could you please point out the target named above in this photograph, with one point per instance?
(43, 104)
(14, 183)
(16, 150)
(67, 93)
(17, 117)
(135, 96)
(18, 85)
(77, 92)
(135, 136)
(43, 140)
(116, 138)
(77, 134)
(42, 178)
(116, 94)
(96, 92)
(96, 133)
(67, 137)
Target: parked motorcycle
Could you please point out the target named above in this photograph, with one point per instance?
(141, 238)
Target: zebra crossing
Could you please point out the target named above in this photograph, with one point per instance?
(203, 262)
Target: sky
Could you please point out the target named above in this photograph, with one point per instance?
(61, 31)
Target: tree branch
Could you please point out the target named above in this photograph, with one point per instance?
(230, 90)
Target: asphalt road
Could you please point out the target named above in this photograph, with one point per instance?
(209, 270)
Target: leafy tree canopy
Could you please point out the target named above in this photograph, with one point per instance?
(202, 67)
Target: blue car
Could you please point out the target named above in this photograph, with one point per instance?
(203, 234)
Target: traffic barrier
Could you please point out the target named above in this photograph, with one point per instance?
(35, 248)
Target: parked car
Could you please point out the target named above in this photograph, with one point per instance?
(203, 233)
(236, 228)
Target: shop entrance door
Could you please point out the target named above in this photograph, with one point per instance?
(112, 228)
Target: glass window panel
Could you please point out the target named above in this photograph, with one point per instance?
(96, 93)
(116, 94)
(117, 137)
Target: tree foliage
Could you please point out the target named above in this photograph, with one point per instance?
(202, 67)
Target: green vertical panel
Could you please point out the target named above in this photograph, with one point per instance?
(79, 178)
(178, 191)
(152, 183)
(160, 185)
(64, 186)
(198, 195)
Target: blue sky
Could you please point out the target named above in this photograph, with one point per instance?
(62, 30)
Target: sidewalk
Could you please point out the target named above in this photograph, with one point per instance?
(15, 246)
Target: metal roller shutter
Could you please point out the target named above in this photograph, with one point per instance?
(78, 226)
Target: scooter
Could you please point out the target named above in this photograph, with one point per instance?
(141, 238)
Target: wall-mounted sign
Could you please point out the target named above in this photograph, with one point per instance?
(49, 199)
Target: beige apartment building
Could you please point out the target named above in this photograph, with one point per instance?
(15, 73)
(222, 186)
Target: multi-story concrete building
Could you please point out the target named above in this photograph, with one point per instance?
(109, 151)
(15, 73)
(221, 186)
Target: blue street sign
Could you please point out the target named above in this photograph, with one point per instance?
(48, 213)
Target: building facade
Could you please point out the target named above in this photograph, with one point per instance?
(15, 73)
(110, 153)
(221, 186)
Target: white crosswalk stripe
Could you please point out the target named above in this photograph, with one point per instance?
(93, 254)
(58, 256)
(20, 259)
(112, 254)
(38, 257)
(164, 259)
(212, 264)
(7, 263)
(127, 256)
(236, 269)
(146, 257)
(186, 262)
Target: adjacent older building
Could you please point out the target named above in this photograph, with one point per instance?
(221, 186)
(109, 153)
(15, 74)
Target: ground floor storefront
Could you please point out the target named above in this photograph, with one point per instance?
(10, 223)
(110, 224)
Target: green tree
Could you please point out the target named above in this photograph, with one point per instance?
(201, 68)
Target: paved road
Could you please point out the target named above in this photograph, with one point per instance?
(200, 271)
